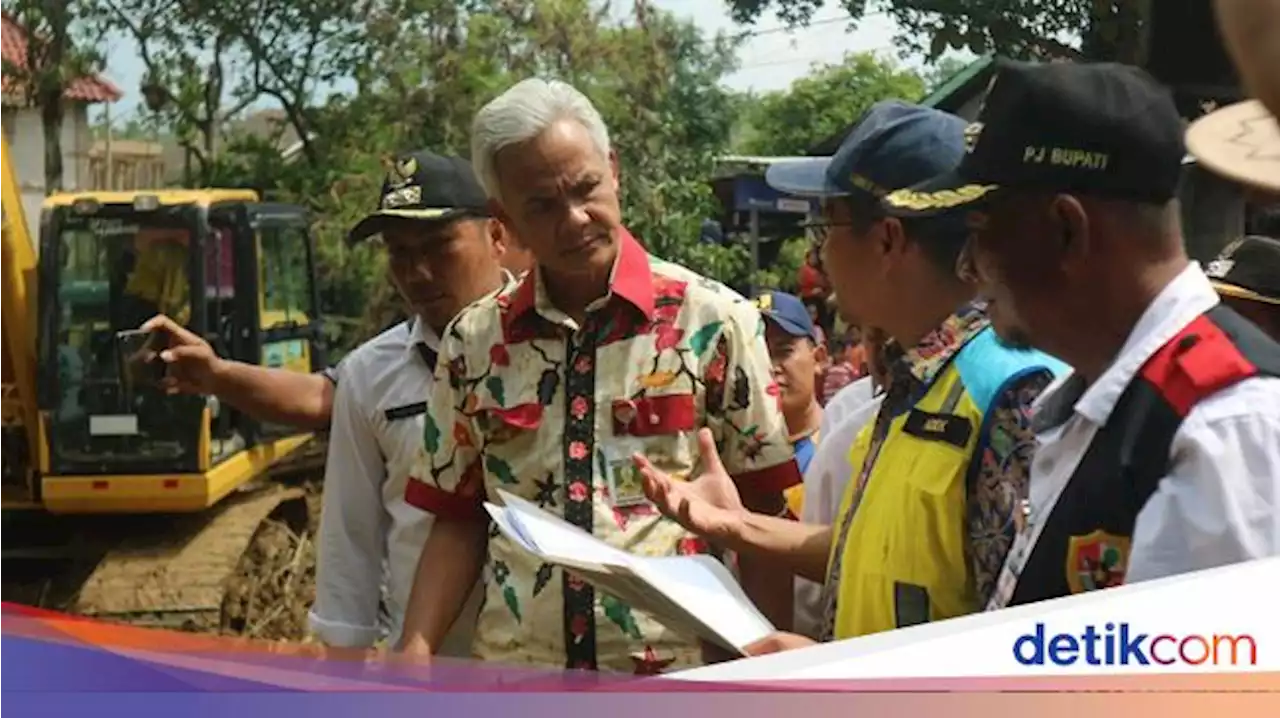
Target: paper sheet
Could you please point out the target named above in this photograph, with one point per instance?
(695, 594)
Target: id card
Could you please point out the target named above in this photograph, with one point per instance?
(626, 485)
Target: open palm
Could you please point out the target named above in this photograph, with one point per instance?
(706, 505)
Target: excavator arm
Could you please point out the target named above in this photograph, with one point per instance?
(21, 420)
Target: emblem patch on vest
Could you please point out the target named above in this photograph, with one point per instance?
(948, 428)
(1096, 560)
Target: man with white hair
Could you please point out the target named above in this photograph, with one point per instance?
(548, 390)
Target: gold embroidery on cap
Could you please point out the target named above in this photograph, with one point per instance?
(407, 167)
(402, 172)
(764, 302)
(1065, 157)
(942, 199)
(402, 197)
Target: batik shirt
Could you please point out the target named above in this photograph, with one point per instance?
(527, 401)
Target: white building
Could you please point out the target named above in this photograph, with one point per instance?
(25, 132)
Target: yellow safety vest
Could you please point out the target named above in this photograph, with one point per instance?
(904, 560)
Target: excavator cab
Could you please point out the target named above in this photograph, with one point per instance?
(231, 269)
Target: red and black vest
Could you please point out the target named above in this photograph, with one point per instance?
(1084, 545)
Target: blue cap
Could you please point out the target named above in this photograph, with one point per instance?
(788, 312)
(895, 145)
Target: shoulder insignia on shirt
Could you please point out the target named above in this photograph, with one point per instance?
(1096, 560)
(404, 412)
(954, 430)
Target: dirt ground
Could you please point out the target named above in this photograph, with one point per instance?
(267, 596)
(275, 583)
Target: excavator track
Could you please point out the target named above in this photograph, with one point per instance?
(243, 567)
(176, 574)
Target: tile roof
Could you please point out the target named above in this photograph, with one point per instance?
(89, 88)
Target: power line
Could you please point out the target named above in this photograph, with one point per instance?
(816, 58)
(843, 17)
(788, 29)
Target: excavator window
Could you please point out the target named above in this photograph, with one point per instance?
(238, 274)
(114, 270)
(285, 278)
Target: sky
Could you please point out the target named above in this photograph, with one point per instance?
(770, 59)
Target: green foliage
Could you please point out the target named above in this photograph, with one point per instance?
(61, 47)
(942, 71)
(207, 61)
(784, 272)
(425, 67)
(1013, 28)
(823, 103)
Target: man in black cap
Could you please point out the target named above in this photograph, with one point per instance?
(935, 478)
(1247, 276)
(1160, 454)
(444, 252)
(288, 397)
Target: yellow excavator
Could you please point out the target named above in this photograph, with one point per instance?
(162, 494)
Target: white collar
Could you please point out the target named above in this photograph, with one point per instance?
(1183, 299)
(420, 333)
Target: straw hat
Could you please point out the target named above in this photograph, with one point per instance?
(1240, 142)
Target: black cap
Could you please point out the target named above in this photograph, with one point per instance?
(1248, 268)
(1100, 129)
(428, 187)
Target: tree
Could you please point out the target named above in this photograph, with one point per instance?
(943, 70)
(200, 56)
(184, 85)
(425, 67)
(670, 118)
(823, 103)
(1015, 28)
(59, 49)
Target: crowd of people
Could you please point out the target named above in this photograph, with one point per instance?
(1055, 398)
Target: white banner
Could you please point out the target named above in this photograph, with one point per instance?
(1220, 620)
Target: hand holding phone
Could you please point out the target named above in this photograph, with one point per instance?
(139, 355)
(189, 363)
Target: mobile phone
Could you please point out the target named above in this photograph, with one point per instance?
(139, 356)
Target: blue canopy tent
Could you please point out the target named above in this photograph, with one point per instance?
(754, 212)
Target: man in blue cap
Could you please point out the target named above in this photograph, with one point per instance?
(796, 353)
(929, 515)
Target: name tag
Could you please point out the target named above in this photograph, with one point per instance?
(947, 428)
(405, 412)
(626, 486)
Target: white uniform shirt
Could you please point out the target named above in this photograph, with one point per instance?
(851, 409)
(370, 539)
(1220, 502)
